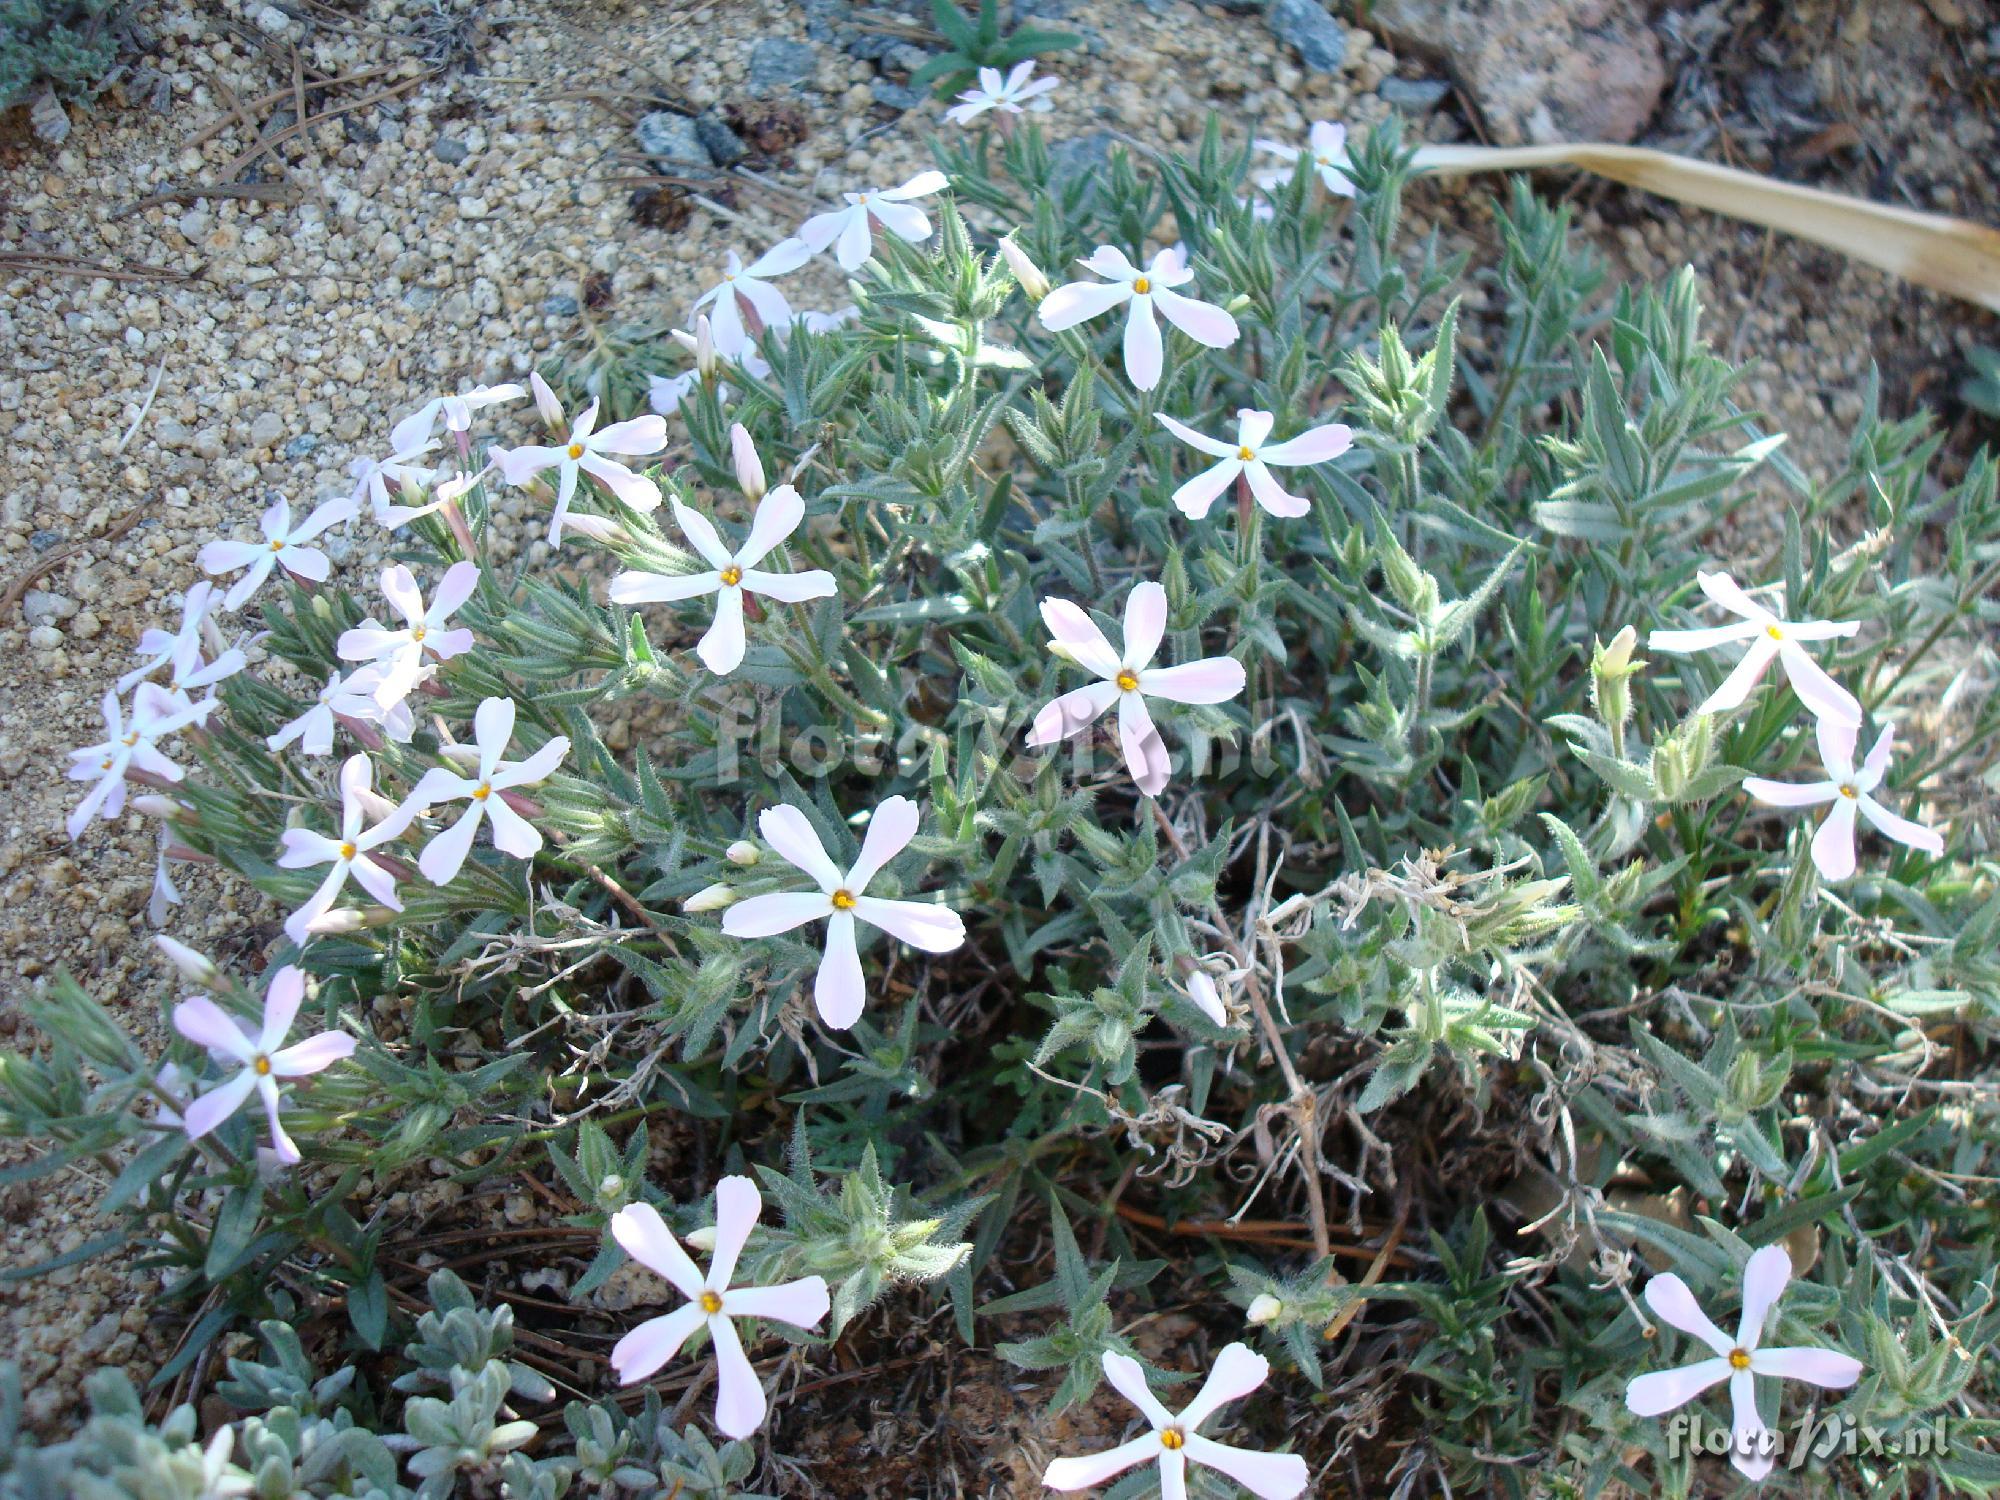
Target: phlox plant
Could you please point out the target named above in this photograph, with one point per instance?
(1166, 760)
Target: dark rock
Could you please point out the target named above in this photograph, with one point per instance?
(560, 306)
(897, 96)
(1304, 25)
(1083, 155)
(724, 146)
(905, 57)
(360, 134)
(672, 140)
(776, 63)
(1415, 96)
(870, 46)
(449, 148)
(829, 20)
(301, 446)
(42, 540)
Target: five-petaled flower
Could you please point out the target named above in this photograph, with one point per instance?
(586, 453)
(191, 672)
(410, 434)
(1851, 791)
(126, 747)
(1326, 151)
(750, 284)
(838, 990)
(493, 731)
(350, 697)
(1769, 637)
(262, 1059)
(1128, 680)
(402, 652)
(1142, 291)
(1739, 1360)
(712, 1302)
(1173, 1441)
(1248, 456)
(1017, 92)
(730, 575)
(850, 232)
(349, 852)
(160, 647)
(281, 548)
(373, 476)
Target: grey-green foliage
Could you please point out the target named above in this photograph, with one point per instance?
(116, 1454)
(68, 45)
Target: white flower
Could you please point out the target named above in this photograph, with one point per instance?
(191, 672)
(1012, 95)
(165, 894)
(281, 547)
(195, 968)
(402, 652)
(1326, 145)
(1173, 1441)
(206, 1024)
(1128, 680)
(126, 747)
(349, 697)
(1769, 637)
(585, 453)
(348, 854)
(1248, 455)
(731, 574)
(849, 229)
(712, 1302)
(841, 899)
(1737, 1360)
(1850, 791)
(492, 730)
(749, 284)
(162, 646)
(373, 476)
(1079, 301)
(457, 410)
(1206, 997)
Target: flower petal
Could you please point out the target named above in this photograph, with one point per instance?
(1669, 1297)
(1707, 638)
(1145, 350)
(636, 436)
(1750, 1450)
(1213, 679)
(800, 1303)
(778, 516)
(218, 1104)
(1128, 1378)
(1077, 302)
(1736, 686)
(1071, 714)
(287, 992)
(1145, 624)
(781, 911)
(282, 1145)
(1078, 634)
(635, 490)
(1764, 1280)
(313, 1055)
(1791, 793)
(838, 988)
(1146, 754)
(1269, 1476)
(921, 924)
(1833, 844)
(1194, 498)
(1816, 690)
(738, 1205)
(635, 587)
(1214, 447)
(1273, 496)
(889, 833)
(653, 1343)
(790, 588)
(459, 580)
(1094, 1468)
(701, 534)
(206, 1024)
(1902, 830)
(721, 649)
(1727, 592)
(1203, 322)
(740, 1406)
(642, 1234)
(512, 834)
(1238, 1371)
(444, 856)
(788, 831)
(1663, 1390)
(904, 220)
(1316, 445)
(1821, 1367)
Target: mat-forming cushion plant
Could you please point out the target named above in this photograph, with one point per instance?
(1167, 781)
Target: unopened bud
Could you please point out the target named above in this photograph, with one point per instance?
(194, 968)
(742, 852)
(703, 1240)
(460, 755)
(1265, 1309)
(749, 467)
(611, 1188)
(709, 898)
(1061, 652)
(154, 806)
(546, 406)
(1611, 667)
(597, 528)
(1026, 272)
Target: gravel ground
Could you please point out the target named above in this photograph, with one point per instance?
(476, 221)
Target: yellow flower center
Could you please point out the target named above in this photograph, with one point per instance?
(843, 900)
(576, 450)
(1849, 790)
(260, 1065)
(710, 1303)
(277, 546)
(348, 851)
(1172, 1439)
(1739, 1359)
(481, 792)
(133, 737)
(731, 576)
(1127, 683)
(1774, 632)
(1246, 453)
(1142, 286)
(105, 764)
(417, 635)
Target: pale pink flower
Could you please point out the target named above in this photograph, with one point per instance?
(126, 747)
(1326, 145)
(373, 476)
(1140, 292)
(1020, 91)
(191, 672)
(1769, 637)
(587, 452)
(730, 575)
(457, 410)
(1128, 680)
(751, 284)
(1248, 456)
(160, 647)
(1739, 1360)
(1173, 1441)
(850, 230)
(282, 547)
(842, 899)
(349, 697)
(492, 730)
(402, 652)
(348, 854)
(1850, 790)
(263, 1060)
(740, 1405)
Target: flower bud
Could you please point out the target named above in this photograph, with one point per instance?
(703, 1240)
(1610, 668)
(597, 528)
(742, 852)
(158, 807)
(1026, 272)
(460, 755)
(1265, 1309)
(612, 1188)
(194, 968)
(709, 898)
(546, 406)
(749, 468)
